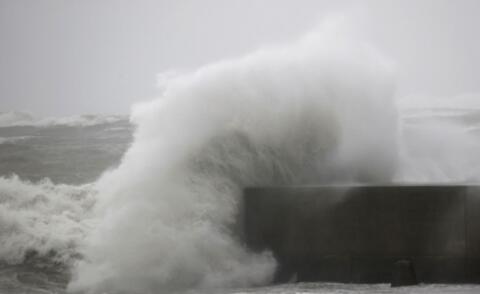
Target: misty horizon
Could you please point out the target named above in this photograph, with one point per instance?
(86, 57)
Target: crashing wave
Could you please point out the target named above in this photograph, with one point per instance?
(168, 218)
(43, 219)
(317, 111)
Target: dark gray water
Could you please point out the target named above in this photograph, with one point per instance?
(64, 154)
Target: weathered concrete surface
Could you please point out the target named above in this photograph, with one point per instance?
(403, 274)
(356, 234)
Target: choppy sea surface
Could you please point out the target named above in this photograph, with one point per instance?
(70, 154)
(78, 153)
(73, 151)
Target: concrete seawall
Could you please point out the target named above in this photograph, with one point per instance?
(355, 234)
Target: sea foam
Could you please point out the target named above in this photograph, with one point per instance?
(43, 219)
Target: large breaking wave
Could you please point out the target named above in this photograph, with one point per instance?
(321, 110)
(317, 111)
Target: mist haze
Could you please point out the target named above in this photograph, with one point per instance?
(62, 57)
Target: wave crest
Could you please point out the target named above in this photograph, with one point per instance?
(317, 111)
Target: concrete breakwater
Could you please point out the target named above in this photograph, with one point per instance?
(356, 233)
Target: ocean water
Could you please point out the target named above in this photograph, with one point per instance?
(40, 163)
(65, 154)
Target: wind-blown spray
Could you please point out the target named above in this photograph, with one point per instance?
(318, 111)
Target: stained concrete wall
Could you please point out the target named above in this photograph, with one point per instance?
(355, 234)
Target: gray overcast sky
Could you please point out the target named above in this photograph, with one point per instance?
(61, 57)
